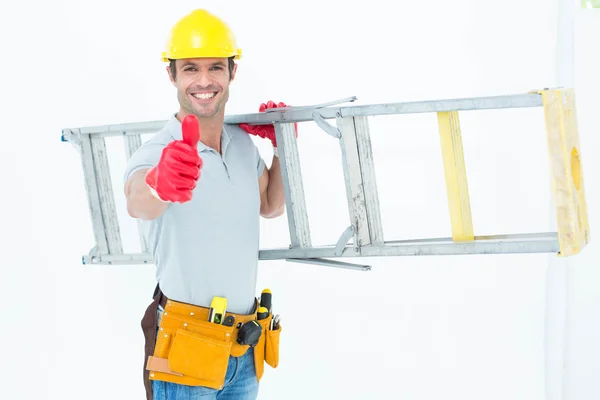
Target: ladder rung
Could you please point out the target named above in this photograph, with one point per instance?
(132, 143)
(291, 174)
(106, 196)
(93, 194)
(367, 168)
(361, 186)
(455, 173)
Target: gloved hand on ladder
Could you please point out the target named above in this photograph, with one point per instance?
(266, 131)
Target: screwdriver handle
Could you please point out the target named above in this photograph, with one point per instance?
(265, 299)
(262, 313)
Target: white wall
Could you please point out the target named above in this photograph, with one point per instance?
(418, 328)
(582, 359)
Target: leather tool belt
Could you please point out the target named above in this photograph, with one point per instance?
(188, 349)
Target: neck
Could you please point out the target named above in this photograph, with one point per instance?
(210, 129)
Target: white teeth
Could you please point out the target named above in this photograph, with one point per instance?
(203, 96)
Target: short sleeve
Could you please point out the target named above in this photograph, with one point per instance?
(146, 156)
(260, 163)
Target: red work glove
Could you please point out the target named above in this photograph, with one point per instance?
(174, 177)
(266, 131)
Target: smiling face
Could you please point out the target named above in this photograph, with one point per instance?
(202, 85)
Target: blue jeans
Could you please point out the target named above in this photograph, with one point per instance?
(240, 384)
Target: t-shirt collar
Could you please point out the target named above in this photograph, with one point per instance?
(174, 127)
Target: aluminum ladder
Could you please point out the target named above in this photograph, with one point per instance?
(363, 236)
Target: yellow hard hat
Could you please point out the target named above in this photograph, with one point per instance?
(201, 34)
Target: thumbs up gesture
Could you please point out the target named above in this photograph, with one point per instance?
(175, 176)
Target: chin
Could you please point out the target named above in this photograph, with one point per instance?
(206, 112)
(205, 108)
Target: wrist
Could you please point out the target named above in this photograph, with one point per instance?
(155, 195)
(151, 182)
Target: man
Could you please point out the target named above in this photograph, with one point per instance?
(200, 187)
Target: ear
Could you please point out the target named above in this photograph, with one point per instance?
(168, 68)
(233, 71)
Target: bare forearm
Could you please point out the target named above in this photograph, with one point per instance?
(275, 193)
(140, 201)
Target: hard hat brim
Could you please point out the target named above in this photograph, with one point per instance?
(166, 57)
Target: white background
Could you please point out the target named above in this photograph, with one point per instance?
(470, 327)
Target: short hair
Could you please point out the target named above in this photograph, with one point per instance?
(174, 69)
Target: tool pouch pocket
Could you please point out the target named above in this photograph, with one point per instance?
(267, 348)
(201, 352)
(259, 349)
(272, 347)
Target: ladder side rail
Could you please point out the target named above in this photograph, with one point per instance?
(305, 114)
(545, 242)
(127, 128)
(432, 106)
(530, 243)
(562, 135)
(119, 259)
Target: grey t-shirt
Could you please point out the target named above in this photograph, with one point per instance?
(208, 246)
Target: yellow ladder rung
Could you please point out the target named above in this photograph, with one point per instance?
(455, 172)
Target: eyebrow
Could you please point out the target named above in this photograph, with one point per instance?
(193, 64)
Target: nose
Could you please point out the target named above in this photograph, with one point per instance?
(203, 79)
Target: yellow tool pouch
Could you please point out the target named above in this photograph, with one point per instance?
(192, 351)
